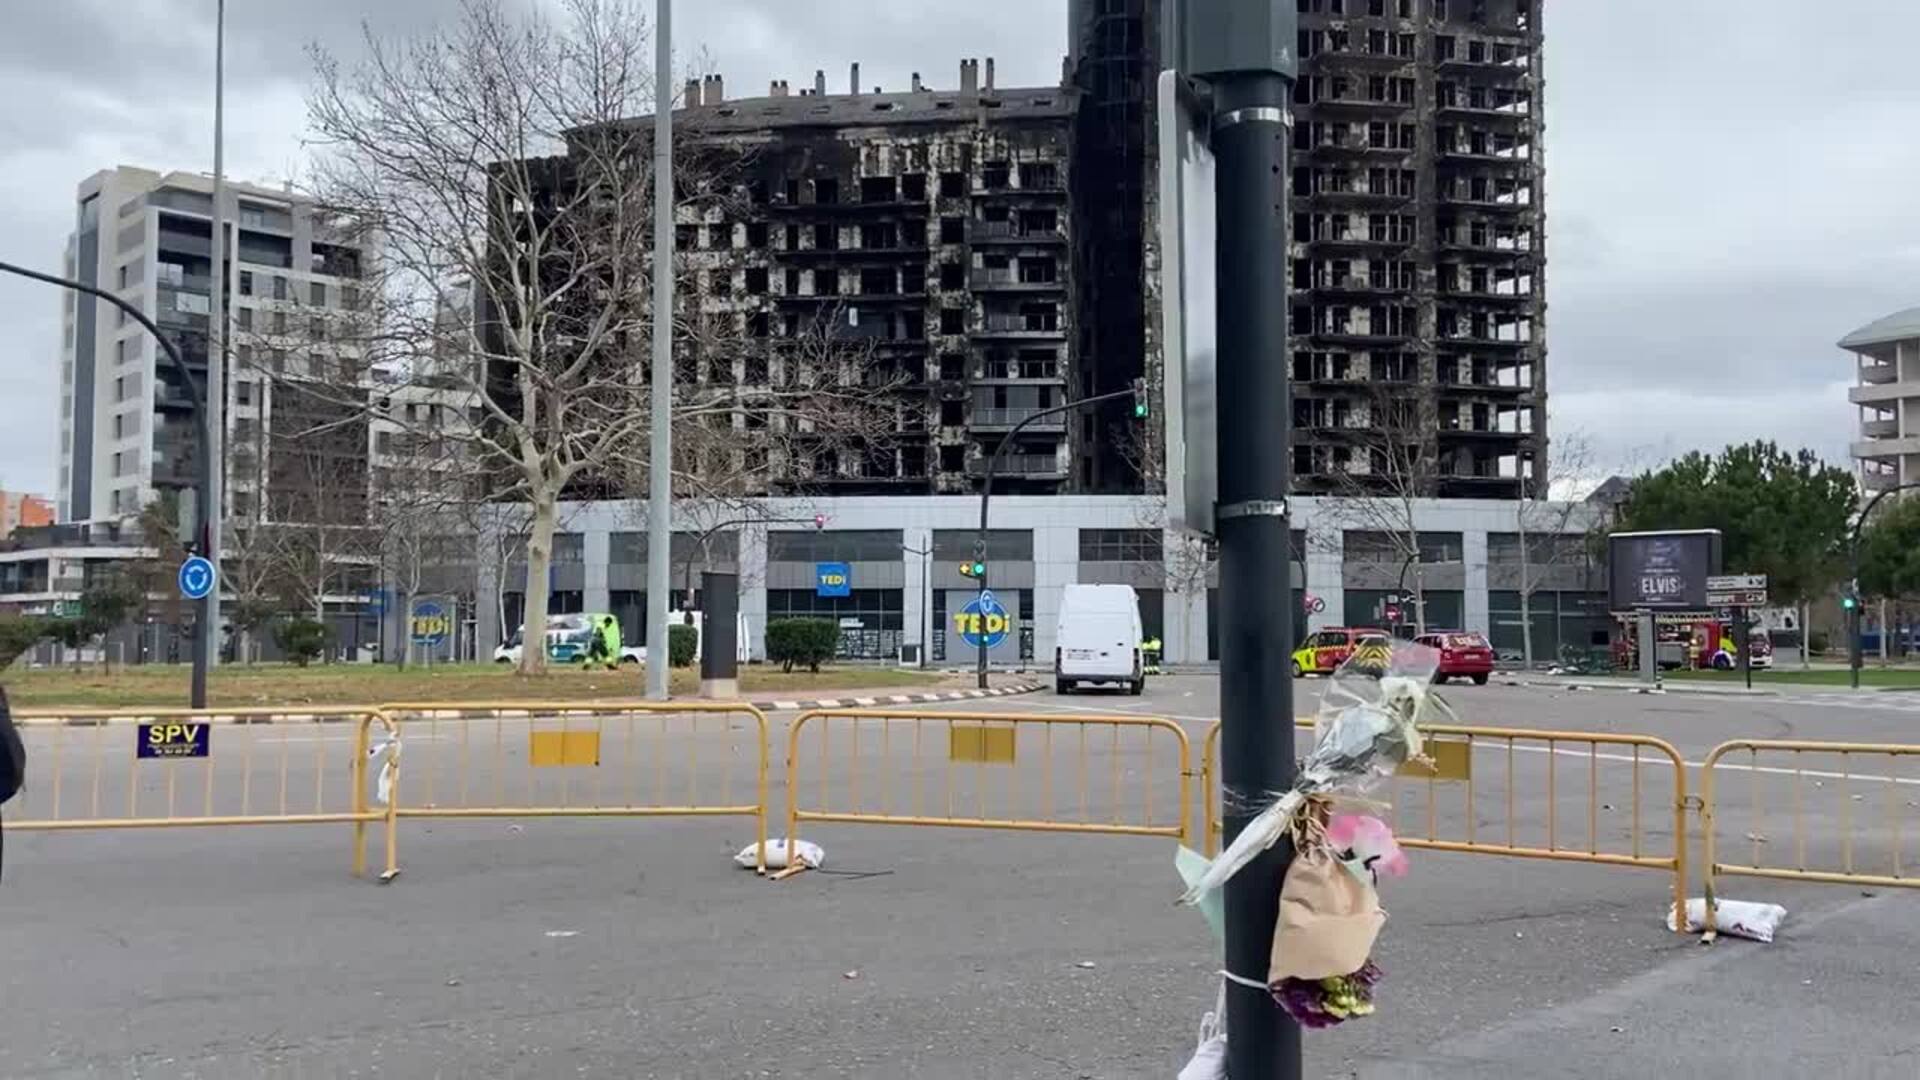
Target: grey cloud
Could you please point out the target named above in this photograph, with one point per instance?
(1729, 181)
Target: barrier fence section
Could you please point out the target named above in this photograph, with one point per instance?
(1456, 792)
(1837, 786)
(161, 768)
(577, 759)
(1125, 775)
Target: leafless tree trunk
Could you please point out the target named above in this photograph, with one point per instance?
(1387, 469)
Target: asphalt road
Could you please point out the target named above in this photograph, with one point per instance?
(632, 947)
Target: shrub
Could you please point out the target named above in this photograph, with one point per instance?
(811, 642)
(19, 634)
(1818, 641)
(682, 643)
(303, 640)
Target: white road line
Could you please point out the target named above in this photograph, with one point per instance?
(1654, 759)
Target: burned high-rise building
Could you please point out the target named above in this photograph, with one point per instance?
(931, 228)
(1417, 237)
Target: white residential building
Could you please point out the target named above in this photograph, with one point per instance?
(1887, 364)
(126, 428)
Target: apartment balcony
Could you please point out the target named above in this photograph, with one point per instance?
(1356, 106)
(1879, 374)
(1020, 328)
(1010, 283)
(1886, 448)
(988, 419)
(1482, 61)
(1882, 393)
(1353, 285)
(1008, 232)
(1880, 429)
(1026, 466)
(1359, 239)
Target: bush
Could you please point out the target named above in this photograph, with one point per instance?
(682, 643)
(1818, 642)
(303, 640)
(19, 634)
(811, 642)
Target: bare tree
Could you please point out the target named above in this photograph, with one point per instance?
(1551, 534)
(1384, 465)
(502, 154)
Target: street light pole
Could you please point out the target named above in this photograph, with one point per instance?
(986, 494)
(1244, 51)
(198, 693)
(660, 454)
(208, 628)
(1854, 642)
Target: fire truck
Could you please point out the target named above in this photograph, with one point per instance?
(1701, 640)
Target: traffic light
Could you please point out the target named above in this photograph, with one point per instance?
(819, 521)
(1140, 405)
(973, 568)
(1849, 602)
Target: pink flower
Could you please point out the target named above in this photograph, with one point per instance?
(1365, 840)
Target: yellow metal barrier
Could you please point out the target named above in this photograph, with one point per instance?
(584, 759)
(1067, 774)
(1440, 823)
(92, 769)
(1845, 777)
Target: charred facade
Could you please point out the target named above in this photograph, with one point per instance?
(1418, 238)
(931, 228)
(1418, 244)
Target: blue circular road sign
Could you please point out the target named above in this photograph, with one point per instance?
(196, 578)
(431, 623)
(984, 621)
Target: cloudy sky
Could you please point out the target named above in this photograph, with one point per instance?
(1731, 183)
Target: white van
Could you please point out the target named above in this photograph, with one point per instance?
(1098, 638)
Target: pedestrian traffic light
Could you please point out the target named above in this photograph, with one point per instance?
(973, 568)
(1140, 406)
(1849, 602)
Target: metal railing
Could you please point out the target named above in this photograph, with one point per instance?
(1125, 775)
(1439, 822)
(1838, 785)
(161, 768)
(584, 759)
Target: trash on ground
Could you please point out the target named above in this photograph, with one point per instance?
(810, 855)
(1741, 918)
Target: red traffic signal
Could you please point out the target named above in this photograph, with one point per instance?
(819, 521)
(1393, 613)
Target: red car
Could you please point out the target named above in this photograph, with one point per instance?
(1463, 654)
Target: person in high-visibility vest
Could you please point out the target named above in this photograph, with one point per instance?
(1150, 657)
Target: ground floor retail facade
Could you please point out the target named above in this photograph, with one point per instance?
(904, 588)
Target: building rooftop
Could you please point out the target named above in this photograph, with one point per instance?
(976, 99)
(1898, 326)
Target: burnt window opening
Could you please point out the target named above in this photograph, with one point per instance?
(879, 189)
(953, 367)
(952, 185)
(953, 321)
(826, 191)
(952, 275)
(757, 280)
(756, 234)
(953, 230)
(996, 176)
(913, 187)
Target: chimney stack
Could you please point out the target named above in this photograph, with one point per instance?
(853, 79)
(693, 94)
(989, 86)
(778, 88)
(916, 82)
(819, 83)
(969, 76)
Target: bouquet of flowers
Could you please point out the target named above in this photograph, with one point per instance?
(1322, 1003)
(1367, 726)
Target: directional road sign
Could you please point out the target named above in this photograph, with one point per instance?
(196, 578)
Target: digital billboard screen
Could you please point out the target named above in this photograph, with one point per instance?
(1661, 570)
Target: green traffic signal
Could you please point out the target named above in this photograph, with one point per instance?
(1848, 603)
(974, 569)
(979, 569)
